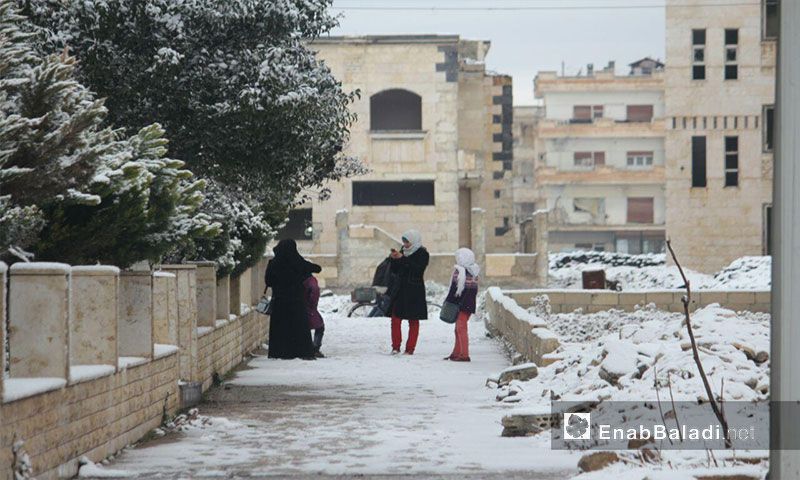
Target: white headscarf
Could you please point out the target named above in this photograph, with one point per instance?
(415, 239)
(465, 261)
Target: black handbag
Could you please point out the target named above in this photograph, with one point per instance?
(449, 312)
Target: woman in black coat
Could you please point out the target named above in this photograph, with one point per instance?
(289, 335)
(408, 297)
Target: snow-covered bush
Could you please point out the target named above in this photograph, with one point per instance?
(73, 189)
(244, 100)
(243, 234)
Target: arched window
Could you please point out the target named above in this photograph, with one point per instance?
(395, 109)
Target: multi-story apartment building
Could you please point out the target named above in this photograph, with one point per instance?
(434, 128)
(719, 98)
(599, 166)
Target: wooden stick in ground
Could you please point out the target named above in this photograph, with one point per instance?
(686, 302)
(674, 408)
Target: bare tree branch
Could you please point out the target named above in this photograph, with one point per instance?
(686, 299)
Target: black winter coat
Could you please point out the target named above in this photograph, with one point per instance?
(409, 302)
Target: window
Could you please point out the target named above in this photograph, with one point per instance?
(769, 122)
(770, 19)
(698, 161)
(767, 249)
(640, 159)
(640, 113)
(412, 192)
(640, 210)
(597, 111)
(585, 113)
(298, 225)
(699, 54)
(731, 53)
(731, 161)
(395, 110)
(589, 159)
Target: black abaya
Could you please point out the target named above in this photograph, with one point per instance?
(289, 335)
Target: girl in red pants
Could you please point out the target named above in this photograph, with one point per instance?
(408, 289)
(464, 293)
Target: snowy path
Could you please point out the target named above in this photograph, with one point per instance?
(359, 411)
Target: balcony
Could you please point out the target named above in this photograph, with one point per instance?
(600, 175)
(600, 128)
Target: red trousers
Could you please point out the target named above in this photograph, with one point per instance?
(397, 334)
(461, 349)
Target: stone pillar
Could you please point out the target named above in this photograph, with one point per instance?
(39, 311)
(343, 248)
(3, 271)
(95, 322)
(785, 361)
(540, 246)
(187, 318)
(136, 314)
(165, 308)
(223, 297)
(244, 287)
(478, 224)
(256, 283)
(206, 293)
(235, 295)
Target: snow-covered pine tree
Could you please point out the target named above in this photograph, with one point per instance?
(244, 99)
(97, 195)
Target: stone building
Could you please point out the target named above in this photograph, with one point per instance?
(434, 127)
(599, 159)
(719, 100)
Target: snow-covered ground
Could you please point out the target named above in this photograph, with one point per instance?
(618, 356)
(358, 411)
(640, 272)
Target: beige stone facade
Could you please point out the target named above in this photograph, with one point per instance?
(712, 224)
(598, 159)
(459, 152)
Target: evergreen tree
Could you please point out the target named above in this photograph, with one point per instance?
(73, 189)
(245, 102)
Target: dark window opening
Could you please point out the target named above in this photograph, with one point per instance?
(769, 122)
(698, 161)
(731, 36)
(298, 226)
(767, 229)
(699, 72)
(770, 19)
(395, 110)
(640, 210)
(497, 194)
(731, 72)
(731, 161)
(411, 192)
(699, 37)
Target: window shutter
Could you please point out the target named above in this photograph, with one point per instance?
(640, 113)
(640, 210)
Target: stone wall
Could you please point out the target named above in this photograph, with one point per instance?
(528, 334)
(590, 301)
(111, 379)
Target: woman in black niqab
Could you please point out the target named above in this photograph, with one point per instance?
(289, 334)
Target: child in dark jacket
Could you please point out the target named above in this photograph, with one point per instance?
(464, 293)
(315, 322)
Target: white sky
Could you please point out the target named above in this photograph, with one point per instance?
(526, 41)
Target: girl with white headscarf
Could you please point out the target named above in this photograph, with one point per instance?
(407, 290)
(463, 292)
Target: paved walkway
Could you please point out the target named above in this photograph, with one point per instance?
(360, 411)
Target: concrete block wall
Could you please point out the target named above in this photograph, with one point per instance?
(90, 398)
(591, 301)
(528, 334)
